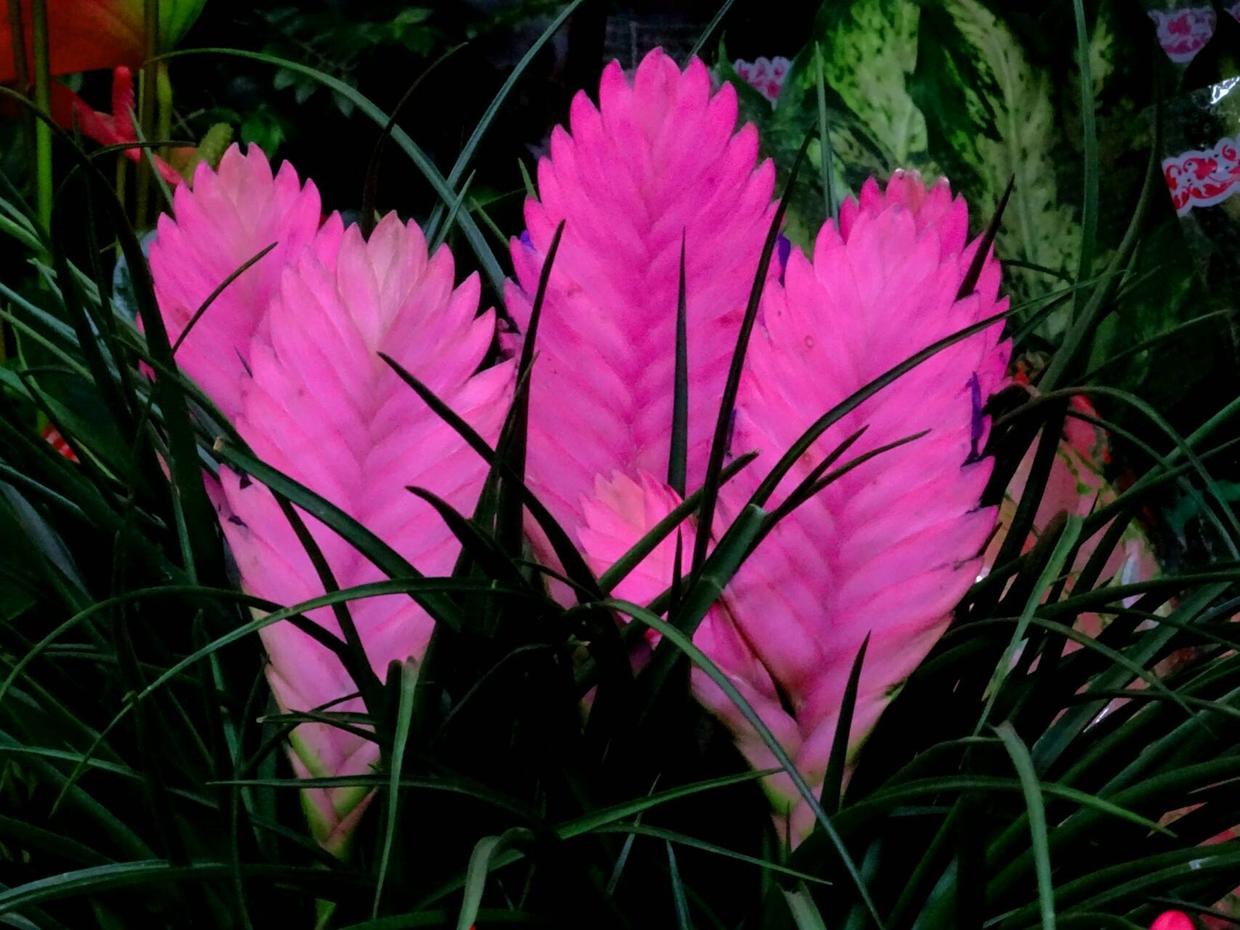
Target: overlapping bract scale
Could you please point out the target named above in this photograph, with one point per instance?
(887, 549)
(659, 158)
(228, 218)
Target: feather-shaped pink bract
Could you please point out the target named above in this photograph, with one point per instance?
(228, 217)
(656, 159)
(290, 353)
(887, 549)
(323, 408)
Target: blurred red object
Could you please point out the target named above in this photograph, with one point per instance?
(1172, 920)
(57, 442)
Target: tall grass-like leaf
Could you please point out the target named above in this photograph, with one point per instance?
(513, 449)
(575, 567)
(400, 736)
(805, 913)
(705, 34)
(470, 147)
(638, 829)
(725, 419)
(728, 687)
(1089, 145)
(679, 900)
(833, 780)
(1064, 546)
(481, 862)
(1037, 821)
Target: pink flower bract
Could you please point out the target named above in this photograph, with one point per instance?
(290, 352)
(658, 158)
(323, 408)
(229, 216)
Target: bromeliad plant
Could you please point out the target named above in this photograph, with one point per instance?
(526, 580)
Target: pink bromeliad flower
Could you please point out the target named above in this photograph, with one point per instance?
(292, 357)
(889, 549)
(657, 160)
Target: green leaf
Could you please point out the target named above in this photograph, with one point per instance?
(637, 829)
(702, 661)
(486, 258)
(485, 855)
(1037, 820)
(1052, 570)
(400, 736)
(475, 138)
(871, 51)
(681, 903)
(804, 911)
(990, 117)
(833, 781)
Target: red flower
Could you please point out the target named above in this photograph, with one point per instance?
(89, 34)
(57, 442)
(115, 128)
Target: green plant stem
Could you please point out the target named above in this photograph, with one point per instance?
(43, 100)
(148, 108)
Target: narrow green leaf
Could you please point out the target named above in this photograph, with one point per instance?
(638, 829)
(643, 547)
(706, 33)
(804, 911)
(383, 556)
(986, 243)
(1037, 820)
(481, 862)
(1089, 146)
(488, 115)
(727, 402)
(473, 235)
(215, 294)
(833, 781)
(680, 902)
(855, 400)
(702, 661)
(400, 737)
(827, 160)
(354, 657)
(1052, 570)
(677, 456)
(481, 548)
(574, 565)
(511, 451)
